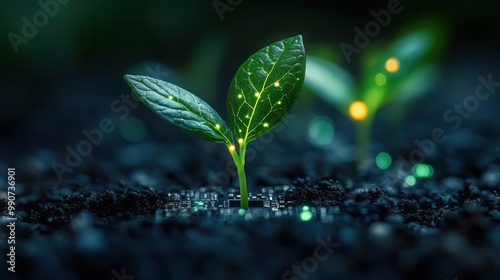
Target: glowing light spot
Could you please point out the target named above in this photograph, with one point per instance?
(321, 130)
(217, 126)
(232, 148)
(305, 216)
(279, 102)
(240, 96)
(133, 129)
(380, 79)
(383, 160)
(198, 205)
(358, 110)
(411, 180)
(422, 170)
(240, 140)
(241, 211)
(305, 208)
(266, 125)
(392, 65)
(257, 94)
(170, 97)
(239, 130)
(276, 84)
(431, 170)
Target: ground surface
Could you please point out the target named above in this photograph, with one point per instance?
(109, 220)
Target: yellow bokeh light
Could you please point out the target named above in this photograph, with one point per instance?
(232, 148)
(392, 65)
(358, 110)
(240, 140)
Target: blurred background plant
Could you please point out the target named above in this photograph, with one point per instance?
(394, 74)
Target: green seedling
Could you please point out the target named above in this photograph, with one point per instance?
(396, 75)
(261, 95)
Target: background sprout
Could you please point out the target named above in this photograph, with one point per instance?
(262, 93)
(397, 74)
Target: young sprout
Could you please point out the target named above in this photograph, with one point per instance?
(397, 75)
(262, 93)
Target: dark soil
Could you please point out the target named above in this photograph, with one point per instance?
(153, 222)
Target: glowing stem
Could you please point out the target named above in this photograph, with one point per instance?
(243, 151)
(239, 161)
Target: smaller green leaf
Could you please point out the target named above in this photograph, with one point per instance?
(329, 81)
(383, 80)
(265, 88)
(419, 82)
(410, 50)
(181, 108)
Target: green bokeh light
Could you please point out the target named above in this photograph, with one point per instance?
(380, 79)
(321, 130)
(431, 170)
(422, 170)
(133, 129)
(383, 160)
(305, 216)
(305, 208)
(241, 211)
(411, 180)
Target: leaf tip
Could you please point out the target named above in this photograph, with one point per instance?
(298, 38)
(128, 77)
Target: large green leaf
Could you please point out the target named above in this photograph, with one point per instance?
(265, 88)
(181, 108)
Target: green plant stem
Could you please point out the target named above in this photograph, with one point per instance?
(363, 132)
(243, 152)
(239, 161)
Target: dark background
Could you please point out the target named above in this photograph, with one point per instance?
(65, 78)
